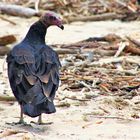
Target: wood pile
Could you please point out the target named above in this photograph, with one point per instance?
(108, 64)
(75, 10)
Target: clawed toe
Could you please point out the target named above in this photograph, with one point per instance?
(41, 123)
(21, 122)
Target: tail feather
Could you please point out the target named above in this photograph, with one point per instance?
(36, 110)
(35, 101)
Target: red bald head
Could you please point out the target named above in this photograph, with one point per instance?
(51, 18)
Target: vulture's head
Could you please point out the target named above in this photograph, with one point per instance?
(51, 18)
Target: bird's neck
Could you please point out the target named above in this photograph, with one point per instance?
(36, 34)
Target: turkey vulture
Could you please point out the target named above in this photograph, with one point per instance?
(33, 69)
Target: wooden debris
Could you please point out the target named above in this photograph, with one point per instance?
(132, 48)
(86, 125)
(9, 132)
(63, 104)
(4, 50)
(17, 10)
(107, 117)
(116, 70)
(8, 20)
(137, 43)
(111, 38)
(130, 59)
(73, 98)
(7, 39)
(36, 4)
(130, 7)
(99, 122)
(7, 98)
(66, 51)
(70, 10)
(122, 46)
(106, 16)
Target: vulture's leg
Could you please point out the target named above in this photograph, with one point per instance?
(40, 120)
(21, 120)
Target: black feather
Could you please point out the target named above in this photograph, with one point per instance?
(33, 71)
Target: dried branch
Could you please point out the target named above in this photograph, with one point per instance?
(137, 43)
(105, 16)
(8, 20)
(122, 46)
(7, 98)
(7, 39)
(130, 59)
(17, 10)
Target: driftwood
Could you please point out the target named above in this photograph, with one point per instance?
(72, 98)
(63, 104)
(7, 98)
(122, 46)
(71, 10)
(111, 38)
(17, 10)
(105, 117)
(9, 132)
(137, 43)
(4, 50)
(66, 51)
(36, 4)
(128, 6)
(8, 39)
(130, 59)
(5, 40)
(99, 17)
(5, 19)
(132, 48)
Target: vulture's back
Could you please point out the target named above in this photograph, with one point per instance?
(34, 78)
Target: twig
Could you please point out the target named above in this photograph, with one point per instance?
(86, 125)
(130, 72)
(125, 5)
(86, 85)
(130, 59)
(63, 104)
(66, 51)
(10, 132)
(133, 41)
(8, 20)
(122, 46)
(104, 88)
(105, 117)
(76, 99)
(106, 111)
(7, 98)
(99, 17)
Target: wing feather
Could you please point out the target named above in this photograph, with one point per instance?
(33, 75)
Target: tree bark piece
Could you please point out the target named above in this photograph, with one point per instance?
(4, 50)
(5, 19)
(7, 98)
(17, 10)
(7, 39)
(99, 17)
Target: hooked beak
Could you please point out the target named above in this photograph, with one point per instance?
(61, 27)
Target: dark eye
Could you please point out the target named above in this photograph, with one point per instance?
(52, 18)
